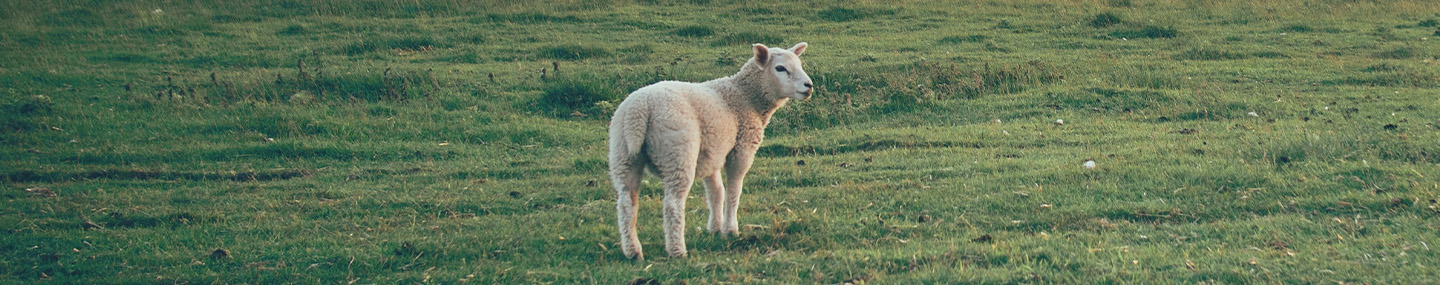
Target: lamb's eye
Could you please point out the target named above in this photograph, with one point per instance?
(780, 69)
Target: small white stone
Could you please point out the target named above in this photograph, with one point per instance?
(1059, 122)
(1089, 164)
(1253, 114)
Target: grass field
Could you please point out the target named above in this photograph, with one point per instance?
(435, 141)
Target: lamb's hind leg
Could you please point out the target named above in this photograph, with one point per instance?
(677, 188)
(675, 141)
(715, 199)
(627, 187)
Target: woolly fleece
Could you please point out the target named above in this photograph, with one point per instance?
(685, 131)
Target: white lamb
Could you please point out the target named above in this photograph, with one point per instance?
(682, 131)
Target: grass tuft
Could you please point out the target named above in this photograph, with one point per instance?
(291, 30)
(1105, 20)
(1405, 78)
(125, 57)
(1297, 28)
(1396, 53)
(392, 44)
(747, 38)
(1209, 54)
(964, 39)
(574, 52)
(1147, 32)
(696, 31)
(1385, 67)
(158, 31)
(839, 14)
(585, 94)
(15, 113)
(1270, 54)
(525, 18)
(987, 79)
(77, 17)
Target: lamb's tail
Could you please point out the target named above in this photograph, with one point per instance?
(627, 135)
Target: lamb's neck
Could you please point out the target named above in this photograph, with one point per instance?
(748, 100)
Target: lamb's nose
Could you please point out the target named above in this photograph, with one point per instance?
(807, 84)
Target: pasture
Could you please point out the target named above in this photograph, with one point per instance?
(431, 141)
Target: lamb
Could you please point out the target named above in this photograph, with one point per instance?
(685, 131)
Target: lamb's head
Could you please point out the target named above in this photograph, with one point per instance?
(785, 77)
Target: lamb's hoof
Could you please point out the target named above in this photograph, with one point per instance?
(679, 255)
(638, 257)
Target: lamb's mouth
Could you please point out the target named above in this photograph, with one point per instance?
(804, 95)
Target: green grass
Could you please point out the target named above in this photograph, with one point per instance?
(695, 31)
(430, 141)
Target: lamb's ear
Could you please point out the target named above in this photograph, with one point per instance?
(799, 48)
(762, 54)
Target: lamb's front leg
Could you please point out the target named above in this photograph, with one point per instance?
(715, 199)
(735, 168)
